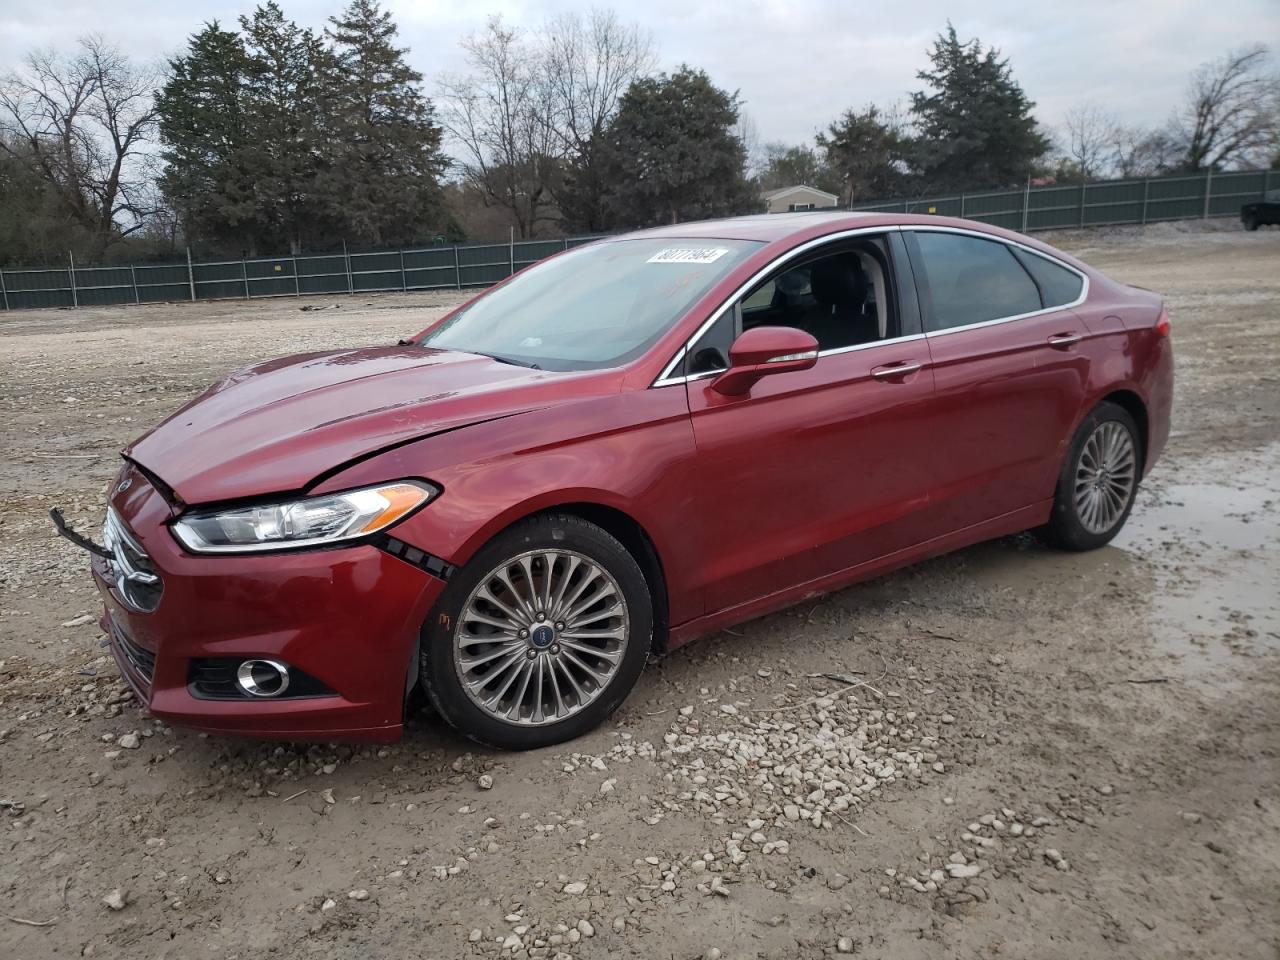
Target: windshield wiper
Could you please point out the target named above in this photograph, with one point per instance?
(508, 360)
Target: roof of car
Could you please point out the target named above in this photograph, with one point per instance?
(786, 228)
(768, 226)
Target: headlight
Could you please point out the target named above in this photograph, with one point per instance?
(309, 522)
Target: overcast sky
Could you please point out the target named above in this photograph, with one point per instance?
(797, 65)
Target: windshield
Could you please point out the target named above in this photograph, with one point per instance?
(597, 306)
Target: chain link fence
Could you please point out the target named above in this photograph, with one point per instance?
(479, 265)
(1106, 203)
(429, 268)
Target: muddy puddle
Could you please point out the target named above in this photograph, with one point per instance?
(1211, 536)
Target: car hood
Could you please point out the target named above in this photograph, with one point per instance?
(276, 426)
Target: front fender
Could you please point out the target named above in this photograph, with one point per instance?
(632, 452)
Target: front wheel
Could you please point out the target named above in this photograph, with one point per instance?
(1098, 482)
(540, 636)
(1250, 222)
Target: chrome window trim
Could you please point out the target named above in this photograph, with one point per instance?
(835, 351)
(666, 378)
(1084, 278)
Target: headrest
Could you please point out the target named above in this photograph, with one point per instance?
(838, 281)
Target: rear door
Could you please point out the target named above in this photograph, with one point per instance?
(1011, 366)
(814, 471)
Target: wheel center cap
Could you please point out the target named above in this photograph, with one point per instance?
(543, 636)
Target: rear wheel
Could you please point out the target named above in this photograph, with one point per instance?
(1098, 482)
(1250, 221)
(540, 636)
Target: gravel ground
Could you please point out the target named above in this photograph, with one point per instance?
(1007, 751)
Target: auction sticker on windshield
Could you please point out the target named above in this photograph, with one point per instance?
(688, 255)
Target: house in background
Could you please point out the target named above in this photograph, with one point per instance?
(791, 199)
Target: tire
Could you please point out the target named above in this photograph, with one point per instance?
(502, 677)
(1087, 525)
(1250, 222)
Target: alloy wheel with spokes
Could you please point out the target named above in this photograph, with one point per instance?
(1098, 481)
(540, 636)
(1105, 476)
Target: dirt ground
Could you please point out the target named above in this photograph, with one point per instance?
(1047, 754)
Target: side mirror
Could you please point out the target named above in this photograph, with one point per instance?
(762, 351)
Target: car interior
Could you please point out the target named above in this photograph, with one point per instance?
(842, 298)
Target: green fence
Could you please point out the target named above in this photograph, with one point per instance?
(1106, 203)
(430, 268)
(479, 265)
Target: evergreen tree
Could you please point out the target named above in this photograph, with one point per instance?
(866, 152)
(383, 180)
(975, 124)
(204, 131)
(34, 226)
(288, 96)
(673, 154)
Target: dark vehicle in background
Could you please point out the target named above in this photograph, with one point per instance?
(1265, 211)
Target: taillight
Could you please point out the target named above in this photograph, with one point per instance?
(1163, 326)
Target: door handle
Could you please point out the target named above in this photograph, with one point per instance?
(1060, 341)
(900, 369)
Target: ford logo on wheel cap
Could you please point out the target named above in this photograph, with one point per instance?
(542, 636)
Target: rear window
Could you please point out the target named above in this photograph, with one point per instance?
(972, 280)
(593, 307)
(1057, 284)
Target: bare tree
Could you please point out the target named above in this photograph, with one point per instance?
(755, 152)
(81, 122)
(1232, 113)
(1143, 153)
(589, 64)
(1091, 135)
(501, 117)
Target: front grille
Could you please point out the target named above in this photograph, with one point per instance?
(142, 660)
(136, 579)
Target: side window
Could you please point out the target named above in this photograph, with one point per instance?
(844, 296)
(972, 280)
(711, 353)
(762, 297)
(1057, 284)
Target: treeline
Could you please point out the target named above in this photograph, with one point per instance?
(276, 138)
(972, 128)
(273, 137)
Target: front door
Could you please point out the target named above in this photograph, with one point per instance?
(815, 471)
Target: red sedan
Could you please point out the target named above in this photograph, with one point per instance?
(619, 449)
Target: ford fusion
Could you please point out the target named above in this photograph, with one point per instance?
(621, 448)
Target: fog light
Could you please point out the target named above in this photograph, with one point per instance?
(263, 678)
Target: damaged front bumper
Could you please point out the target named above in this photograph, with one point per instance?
(346, 619)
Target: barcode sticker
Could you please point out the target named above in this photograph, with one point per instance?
(689, 255)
